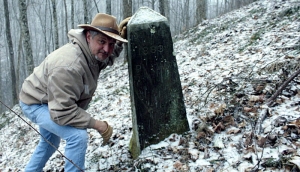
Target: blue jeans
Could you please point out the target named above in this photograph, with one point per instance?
(76, 140)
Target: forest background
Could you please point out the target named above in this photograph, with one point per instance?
(31, 29)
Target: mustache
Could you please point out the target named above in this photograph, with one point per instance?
(103, 52)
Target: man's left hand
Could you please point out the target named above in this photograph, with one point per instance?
(123, 27)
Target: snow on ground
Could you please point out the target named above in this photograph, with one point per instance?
(229, 67)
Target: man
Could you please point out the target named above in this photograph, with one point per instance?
(57, 93)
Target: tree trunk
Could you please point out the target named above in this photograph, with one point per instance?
(127, 8)
(152, 4)
(187, 14)
(96, 6)
(66, 19)
(21, 63)
(56, 45)
(108, 7)
(200, 11)
(1, 106)
(85, 9)
(42, 24)
(51, 36)
(167, 9)
(11, 54)
(162, 7)
(46, 30)
(20, 66)
(26, 34)
(72, 14)
(127, 12)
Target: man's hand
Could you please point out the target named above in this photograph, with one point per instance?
(123, 27)
(104, 129)
(106, 134)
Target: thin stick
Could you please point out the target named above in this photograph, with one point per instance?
(42, 136)
(285, 83)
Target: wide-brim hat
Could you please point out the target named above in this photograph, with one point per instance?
(105, 24)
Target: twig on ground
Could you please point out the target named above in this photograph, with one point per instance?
(261, 118)
(284, 84)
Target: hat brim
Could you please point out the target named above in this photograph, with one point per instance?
(110, 34)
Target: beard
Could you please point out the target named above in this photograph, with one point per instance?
(100, 60)
(103, 54)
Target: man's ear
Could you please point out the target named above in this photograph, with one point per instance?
(88, 36)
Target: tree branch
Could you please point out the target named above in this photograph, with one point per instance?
(285, 83)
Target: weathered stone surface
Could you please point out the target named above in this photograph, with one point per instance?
(156, 96)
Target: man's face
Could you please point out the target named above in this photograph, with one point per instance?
(101, 46)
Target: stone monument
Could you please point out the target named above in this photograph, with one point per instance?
(157, 104)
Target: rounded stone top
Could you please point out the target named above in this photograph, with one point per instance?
(146, 15)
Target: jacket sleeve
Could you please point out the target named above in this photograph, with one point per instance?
(65, 87)
(116, 53)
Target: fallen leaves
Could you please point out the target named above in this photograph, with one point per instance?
(219, 127)
(255, 98)
(180, 166)
(261, 141)
(233, 131)
(295, 160)
(295, 123)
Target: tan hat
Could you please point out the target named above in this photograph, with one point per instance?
(106, 24)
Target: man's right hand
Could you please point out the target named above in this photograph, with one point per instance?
(104, 129)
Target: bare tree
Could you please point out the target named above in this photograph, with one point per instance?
(177, 11)
(40, 12)
(1, 73)
(152, 4)
(1, 106)
(66, 18)
(19, 64)
(11, 54)
(127, 12)
(127, 8)
(201, 6)
(187, 14)
(85, 9)
(21, 61)
(26, 36)
(72, 14)
(167, 9)
(108, 7)
(162, 7)
(96, 6)
(56, 44)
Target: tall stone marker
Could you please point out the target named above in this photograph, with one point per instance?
(157, 104)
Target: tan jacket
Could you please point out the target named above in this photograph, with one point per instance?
(66, 81)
